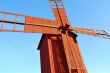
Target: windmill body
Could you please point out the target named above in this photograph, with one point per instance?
(59, 51)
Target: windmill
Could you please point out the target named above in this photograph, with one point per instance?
(58, 46)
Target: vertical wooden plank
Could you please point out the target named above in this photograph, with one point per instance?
(75, 58)
(4, 17)
(53, 30)
(80, 67)
(56, 14)
(29, 28)
(59, 55)
(38, 21)
(53, 58)
(69, 56)
(15, 23)
(46, 29)
(44, 56)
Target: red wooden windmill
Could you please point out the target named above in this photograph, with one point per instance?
(58, 47)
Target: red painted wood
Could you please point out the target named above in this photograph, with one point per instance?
(79, 64)
(53, 58)
(59, 12)
(60, 54)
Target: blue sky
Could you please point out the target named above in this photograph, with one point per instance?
(18, 52)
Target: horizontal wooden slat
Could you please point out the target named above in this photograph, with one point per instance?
(91, 32)
(35, 29)
(30, 24)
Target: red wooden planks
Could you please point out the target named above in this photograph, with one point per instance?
(40, 25)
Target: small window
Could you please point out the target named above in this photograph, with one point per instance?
(19, 27)
(1, 16)
(10, 17)
(8, 26)
(53, 4)
(20, 19)
(60, 5)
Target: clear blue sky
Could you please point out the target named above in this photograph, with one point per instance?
(18, 52)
